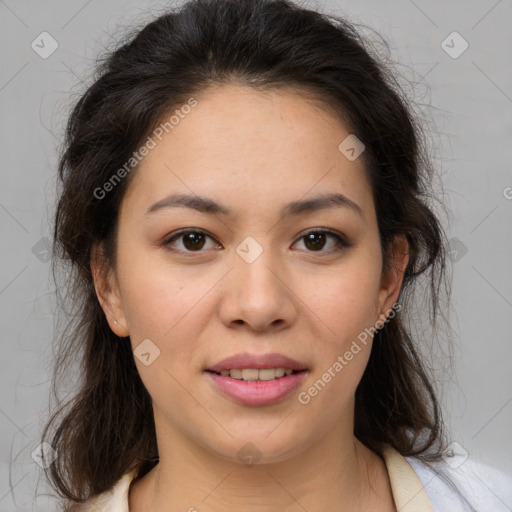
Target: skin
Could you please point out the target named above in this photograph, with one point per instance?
(253, 152)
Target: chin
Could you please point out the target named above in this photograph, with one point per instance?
(257, 449)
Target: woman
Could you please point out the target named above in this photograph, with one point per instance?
(245, 211)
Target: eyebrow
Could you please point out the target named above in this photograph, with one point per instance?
(209, 206)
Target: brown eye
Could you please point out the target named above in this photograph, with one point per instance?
(316, 240)
(191, 240)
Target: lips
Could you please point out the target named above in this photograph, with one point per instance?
(257, 361)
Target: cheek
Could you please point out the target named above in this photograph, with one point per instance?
(160, 298)
(345, 303)
(163, 305)
(346, 298)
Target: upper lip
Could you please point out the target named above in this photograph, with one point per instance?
(257, 361)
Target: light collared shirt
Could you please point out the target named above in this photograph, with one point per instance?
(415, 486)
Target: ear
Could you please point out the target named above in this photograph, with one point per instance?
(392, 279)
(107, 291)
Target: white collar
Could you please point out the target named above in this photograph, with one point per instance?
(409, 492)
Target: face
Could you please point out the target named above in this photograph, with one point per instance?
(254, 275)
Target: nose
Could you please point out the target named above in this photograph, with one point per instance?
(257, 294)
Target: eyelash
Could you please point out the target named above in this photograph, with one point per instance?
(341, 241)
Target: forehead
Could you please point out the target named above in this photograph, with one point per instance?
(257, 147)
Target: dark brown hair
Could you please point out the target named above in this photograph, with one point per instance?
(107, 428)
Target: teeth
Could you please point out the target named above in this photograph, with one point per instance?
(256, 374)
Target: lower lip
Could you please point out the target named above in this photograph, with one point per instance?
(258, 392)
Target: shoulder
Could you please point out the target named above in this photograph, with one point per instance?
(484, 487)
(114, 499)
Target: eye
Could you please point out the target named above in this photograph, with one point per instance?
(315, 240)
(193, 240)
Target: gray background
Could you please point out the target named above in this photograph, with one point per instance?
(471, 108)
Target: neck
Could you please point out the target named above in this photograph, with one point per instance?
(337, 473)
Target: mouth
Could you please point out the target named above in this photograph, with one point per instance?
(257, 374)
(257, 386)
(257, 379)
